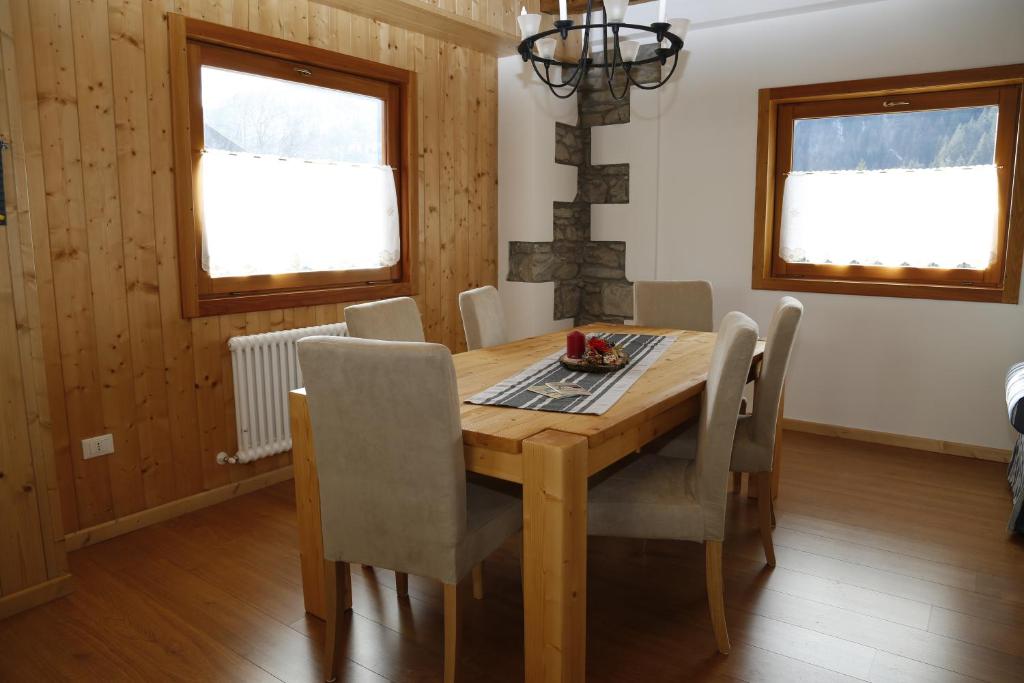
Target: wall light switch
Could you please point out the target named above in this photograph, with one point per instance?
(97, 446)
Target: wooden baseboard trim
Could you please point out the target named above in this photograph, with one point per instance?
(117, 527)
(34, 596)
(920, 443)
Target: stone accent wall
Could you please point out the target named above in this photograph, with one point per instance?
(590, 277)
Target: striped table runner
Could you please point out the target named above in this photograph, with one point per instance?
(606, 388)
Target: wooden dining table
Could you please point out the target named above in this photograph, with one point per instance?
(551, 455)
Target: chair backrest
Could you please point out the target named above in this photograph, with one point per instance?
(777, 353)
(388, 320)
(388, 442)
(730, 365)
(681, 305)
(483, 318)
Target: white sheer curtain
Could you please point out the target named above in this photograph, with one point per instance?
(264, 215)
(926, 218)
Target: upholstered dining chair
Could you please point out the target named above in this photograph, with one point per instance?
(753, 451)
(483, 317)
(671, 498)
(681, 305)
(388, 320)
(393, 489)
(391, 320)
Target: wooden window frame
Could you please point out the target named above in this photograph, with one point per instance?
(777, 107)
(194, 43)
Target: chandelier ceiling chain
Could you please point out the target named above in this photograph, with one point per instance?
(619, 56)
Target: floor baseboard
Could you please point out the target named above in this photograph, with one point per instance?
(920, 443)
(123, 525)
(34, 596)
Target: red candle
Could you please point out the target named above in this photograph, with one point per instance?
(574, 344)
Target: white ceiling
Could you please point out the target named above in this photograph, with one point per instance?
(711, 13)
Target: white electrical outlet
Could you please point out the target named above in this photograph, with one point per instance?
(97, 446)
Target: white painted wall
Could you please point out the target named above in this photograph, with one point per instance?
(529, 182)
(924, 368)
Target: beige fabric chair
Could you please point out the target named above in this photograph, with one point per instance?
(672, 498)
(681, 305)
(483, 318)
(393, 490)
(389, 320)
(754, 449)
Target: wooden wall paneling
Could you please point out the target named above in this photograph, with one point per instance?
(490, 169)
(360, 36)
(344, 31)
(128, 64)
(463, 164)
(22, 559)
(471, 175)
(323, 27)
(431, 124)
(91, 39)
(179, 367)
(31, 549)
(79, 393)
(448, 21)
(229, 12)
(449, 131)
(37, 279)
(234, 325)
(210, 399)
(495, 15)
(118, 355)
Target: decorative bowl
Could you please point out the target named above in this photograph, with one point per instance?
(608, 363)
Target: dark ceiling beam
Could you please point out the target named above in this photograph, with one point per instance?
(577, 6)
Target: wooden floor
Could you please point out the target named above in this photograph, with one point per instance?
(893, 565)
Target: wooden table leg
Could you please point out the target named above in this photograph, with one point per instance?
(555, 544)
(307, 505)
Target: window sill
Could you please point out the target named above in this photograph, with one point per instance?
(262, 301)
(905, 290)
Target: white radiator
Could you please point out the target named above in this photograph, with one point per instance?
(265, 368)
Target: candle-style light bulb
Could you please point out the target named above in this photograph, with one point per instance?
(563, 9)
(529, 24)
(680, 27)
(615, 10)
(661, 11)
(546, 48)
(628, 50)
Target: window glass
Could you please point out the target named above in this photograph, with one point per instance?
(911, 189)
(937, 138)
(293, 179)
(244, 112)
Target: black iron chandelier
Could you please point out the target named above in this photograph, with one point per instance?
(563, 78)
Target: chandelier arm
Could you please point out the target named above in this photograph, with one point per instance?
(610, 73)
(546, 76)
(663, 81)
(552, 86)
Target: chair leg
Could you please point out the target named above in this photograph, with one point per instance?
(716, 597)
(452, 631)
(338, 589)
(737, 482)
(764, 514)
(478, 581)
(402, 584)
(773, 514)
